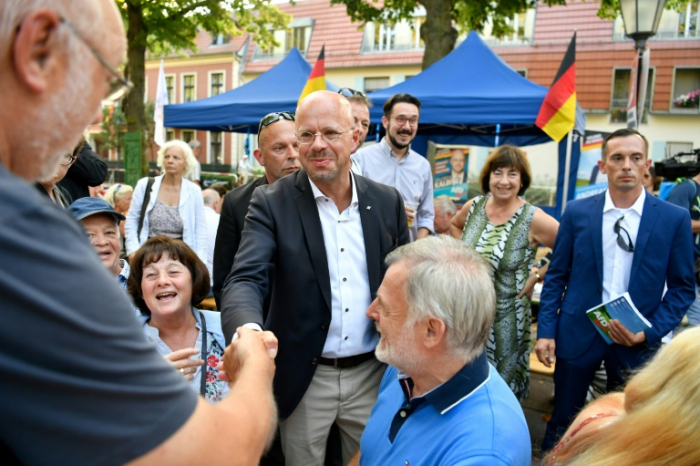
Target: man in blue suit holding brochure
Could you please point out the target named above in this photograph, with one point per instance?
(623, 240)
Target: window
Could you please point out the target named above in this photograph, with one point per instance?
(220, 39)
(216, 84)
(375, 84)
(522, 73)
(215, 148)
(170, 86)
(188, 94)
(187, 135)
(169, 134)
(686, 90)
(674, 24)
(620, 95)
(297, 35)
(404, 36)
(523, 25)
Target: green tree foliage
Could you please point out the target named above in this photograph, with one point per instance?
(165, 26)
(439, 31)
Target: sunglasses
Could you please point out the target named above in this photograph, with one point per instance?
(347, 92)
(625, 245)
(273, 117)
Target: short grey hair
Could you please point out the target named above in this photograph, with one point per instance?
(190, 160)
(194, 144)
(445, 205)
(210, 196)
(452, 282)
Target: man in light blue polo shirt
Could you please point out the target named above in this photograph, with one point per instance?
(440, 401)
(393, 163)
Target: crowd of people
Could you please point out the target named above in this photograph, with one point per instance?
(359, 319)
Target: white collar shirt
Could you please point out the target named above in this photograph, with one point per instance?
(617, 263)
(350, 332)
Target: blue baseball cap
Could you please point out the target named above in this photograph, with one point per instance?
(87, 206)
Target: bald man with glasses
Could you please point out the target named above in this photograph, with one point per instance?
(620, 241)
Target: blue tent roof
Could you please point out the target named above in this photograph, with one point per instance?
(240, 109)
(470, 92)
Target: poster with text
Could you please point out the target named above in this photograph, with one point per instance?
(450, 173)
(589, 179)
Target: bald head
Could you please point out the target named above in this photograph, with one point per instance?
(327, 136)
(48, 68)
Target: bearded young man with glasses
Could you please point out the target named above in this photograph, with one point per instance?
(90, 389)
(394, 163)
(619, 241)
(316, 241)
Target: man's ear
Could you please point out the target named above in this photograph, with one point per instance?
(384, 121)
(35, 48)
(601, 166)
(434, 332)
(257, 153)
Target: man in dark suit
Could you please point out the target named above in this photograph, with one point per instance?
(623, 240)
(322, 234)
(278, 152)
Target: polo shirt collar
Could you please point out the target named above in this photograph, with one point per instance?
(463, 384)
(638, 205)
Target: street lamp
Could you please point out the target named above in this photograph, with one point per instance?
(641, 19)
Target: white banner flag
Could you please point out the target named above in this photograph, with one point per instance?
(161, 101)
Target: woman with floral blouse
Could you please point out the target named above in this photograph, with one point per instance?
(167, 279)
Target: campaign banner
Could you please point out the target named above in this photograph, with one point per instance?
(589, 179)
(450, 173)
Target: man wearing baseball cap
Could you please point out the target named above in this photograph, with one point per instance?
(101, 223)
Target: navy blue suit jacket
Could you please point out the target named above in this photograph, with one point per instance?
(663, 255)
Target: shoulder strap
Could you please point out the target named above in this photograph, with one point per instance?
(144, 205)
(203, 383)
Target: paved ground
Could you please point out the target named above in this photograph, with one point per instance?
(538, 405)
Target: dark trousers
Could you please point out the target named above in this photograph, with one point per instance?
(573, 376)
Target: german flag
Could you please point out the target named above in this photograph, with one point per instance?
(317, 78)
(558, 110)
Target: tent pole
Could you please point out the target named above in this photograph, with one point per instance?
(567, 166)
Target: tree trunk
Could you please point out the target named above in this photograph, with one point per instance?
(135, 70)
(437, 32)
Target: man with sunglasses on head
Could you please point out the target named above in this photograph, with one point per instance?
(394, 163)
(80, 383)
(278, 152)
(620, 241)
(316, 242)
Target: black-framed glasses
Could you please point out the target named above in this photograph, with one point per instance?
(119, 86)
(402, 120)
(625, 245)
(273, 117)
(329, 135)
(347, 92)
(67, 159)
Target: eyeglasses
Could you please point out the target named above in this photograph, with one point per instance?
(347, 92)
(270, 118)
(625, 245)
(329, 135)
(67, 159)
(119, 86)
(403, 120)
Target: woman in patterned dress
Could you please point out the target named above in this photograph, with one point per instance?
(506, 230)
(167, 279)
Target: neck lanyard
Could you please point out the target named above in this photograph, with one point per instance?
(203, 384)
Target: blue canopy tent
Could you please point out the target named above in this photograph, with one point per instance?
(240, 110)
(473, 97)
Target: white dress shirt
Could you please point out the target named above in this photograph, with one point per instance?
(617, 263)
(350, 332)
